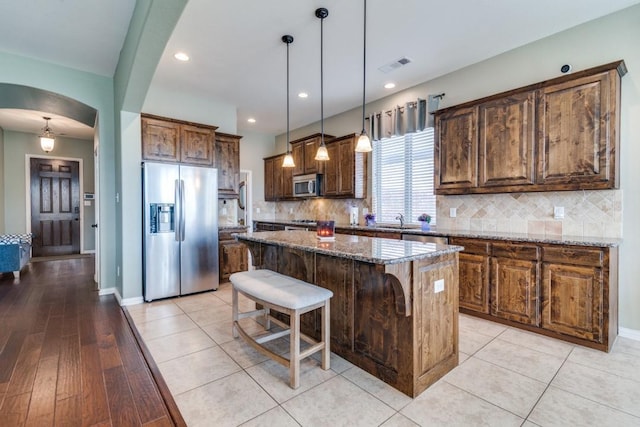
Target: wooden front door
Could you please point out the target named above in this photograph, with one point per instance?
(55, 207)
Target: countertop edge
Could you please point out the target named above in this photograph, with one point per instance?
(519, 237)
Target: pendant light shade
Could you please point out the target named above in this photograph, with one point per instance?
(47, 140)
(288, 162)
(322, 153)
(364, 143)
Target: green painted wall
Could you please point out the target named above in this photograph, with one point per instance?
(97, 92)
(2, 181)
(17, 145)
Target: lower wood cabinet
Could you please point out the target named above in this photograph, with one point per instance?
(567, 292)
(473, 273)
(232, 255)
(575, 292)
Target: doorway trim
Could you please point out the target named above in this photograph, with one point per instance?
(27, 170)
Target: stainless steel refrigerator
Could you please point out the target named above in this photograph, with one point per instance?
(180, 229)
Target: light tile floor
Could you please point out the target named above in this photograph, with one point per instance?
(506, 377)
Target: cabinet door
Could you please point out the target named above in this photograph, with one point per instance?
(196, 145)
(297, 151)
(287, 182)
(346, 167)
(456, 150)
(514, 290)
(227, 161)
(572, 300)
(278, 189)
(506, 131)
(577, 131)
(310, 150)
(160, 140)
(331, 179)
(474, 282)
(269, 183)
(233, 258)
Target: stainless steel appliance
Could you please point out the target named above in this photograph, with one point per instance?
(307, 185)
(180, 229)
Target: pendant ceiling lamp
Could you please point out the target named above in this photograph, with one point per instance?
(364, 143)
(288, 158)
(47, 140)
(322, 153)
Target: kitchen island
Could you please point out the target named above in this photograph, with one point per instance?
(394, 312)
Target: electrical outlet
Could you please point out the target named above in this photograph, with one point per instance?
(118, 271)
(257, 210)
(453, 212)
(438, 286)
(290, 210)
(558, 212)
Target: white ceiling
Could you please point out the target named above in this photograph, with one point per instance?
(237, 55)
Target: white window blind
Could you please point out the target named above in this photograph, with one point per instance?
(403, 177)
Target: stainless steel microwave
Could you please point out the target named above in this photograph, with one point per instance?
(307, 185)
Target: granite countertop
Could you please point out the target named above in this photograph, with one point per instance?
(493, 235)
(359, 248)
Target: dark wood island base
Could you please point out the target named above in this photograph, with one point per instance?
(394, 312)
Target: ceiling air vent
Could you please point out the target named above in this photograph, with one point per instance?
(394, 65)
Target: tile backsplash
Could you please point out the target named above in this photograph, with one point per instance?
(595, 213)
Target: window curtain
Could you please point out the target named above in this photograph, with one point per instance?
(413, 117)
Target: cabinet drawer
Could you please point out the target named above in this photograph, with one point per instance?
(472, 246)
(574, 255)
(508, 250)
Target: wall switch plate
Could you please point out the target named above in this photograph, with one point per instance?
(438, 286)
(453, 212)
(257, 210)
(290, 210)
(558, 212)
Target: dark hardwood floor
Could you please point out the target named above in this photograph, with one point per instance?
(68, 357)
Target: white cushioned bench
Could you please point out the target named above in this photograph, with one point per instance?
(275, 291)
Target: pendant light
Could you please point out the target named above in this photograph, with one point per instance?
(47, 140)
(288, 162)
(364, 143)
(322, 154)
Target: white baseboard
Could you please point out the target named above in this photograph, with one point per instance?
(89, 251)
(107, 291)
(633, 334)
(128, 301)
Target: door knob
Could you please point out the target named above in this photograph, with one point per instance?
(94, 225)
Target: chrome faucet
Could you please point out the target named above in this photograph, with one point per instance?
(400, 218)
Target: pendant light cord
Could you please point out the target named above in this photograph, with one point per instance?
(321, 82)
(288, 145)
(364, 64)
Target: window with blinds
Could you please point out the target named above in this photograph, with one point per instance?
(403, 177)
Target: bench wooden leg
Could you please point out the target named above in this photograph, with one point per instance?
(326, 336)
(234, 308)
(16, 274)
(294, 351)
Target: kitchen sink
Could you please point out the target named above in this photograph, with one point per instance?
(399, 227)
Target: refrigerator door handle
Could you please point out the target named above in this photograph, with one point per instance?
(177, 219)
(182, 210)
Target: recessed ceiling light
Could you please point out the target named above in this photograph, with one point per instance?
(389, 85)
(251, 120)
(181, 56)
(303, 95)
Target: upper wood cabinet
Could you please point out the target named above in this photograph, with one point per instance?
(506, 148)
(456, 156)
(176, 141)
(578, 129)
(227, 161)
(345, 173)
(304, 151)
(560, 134)
(278, 181)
